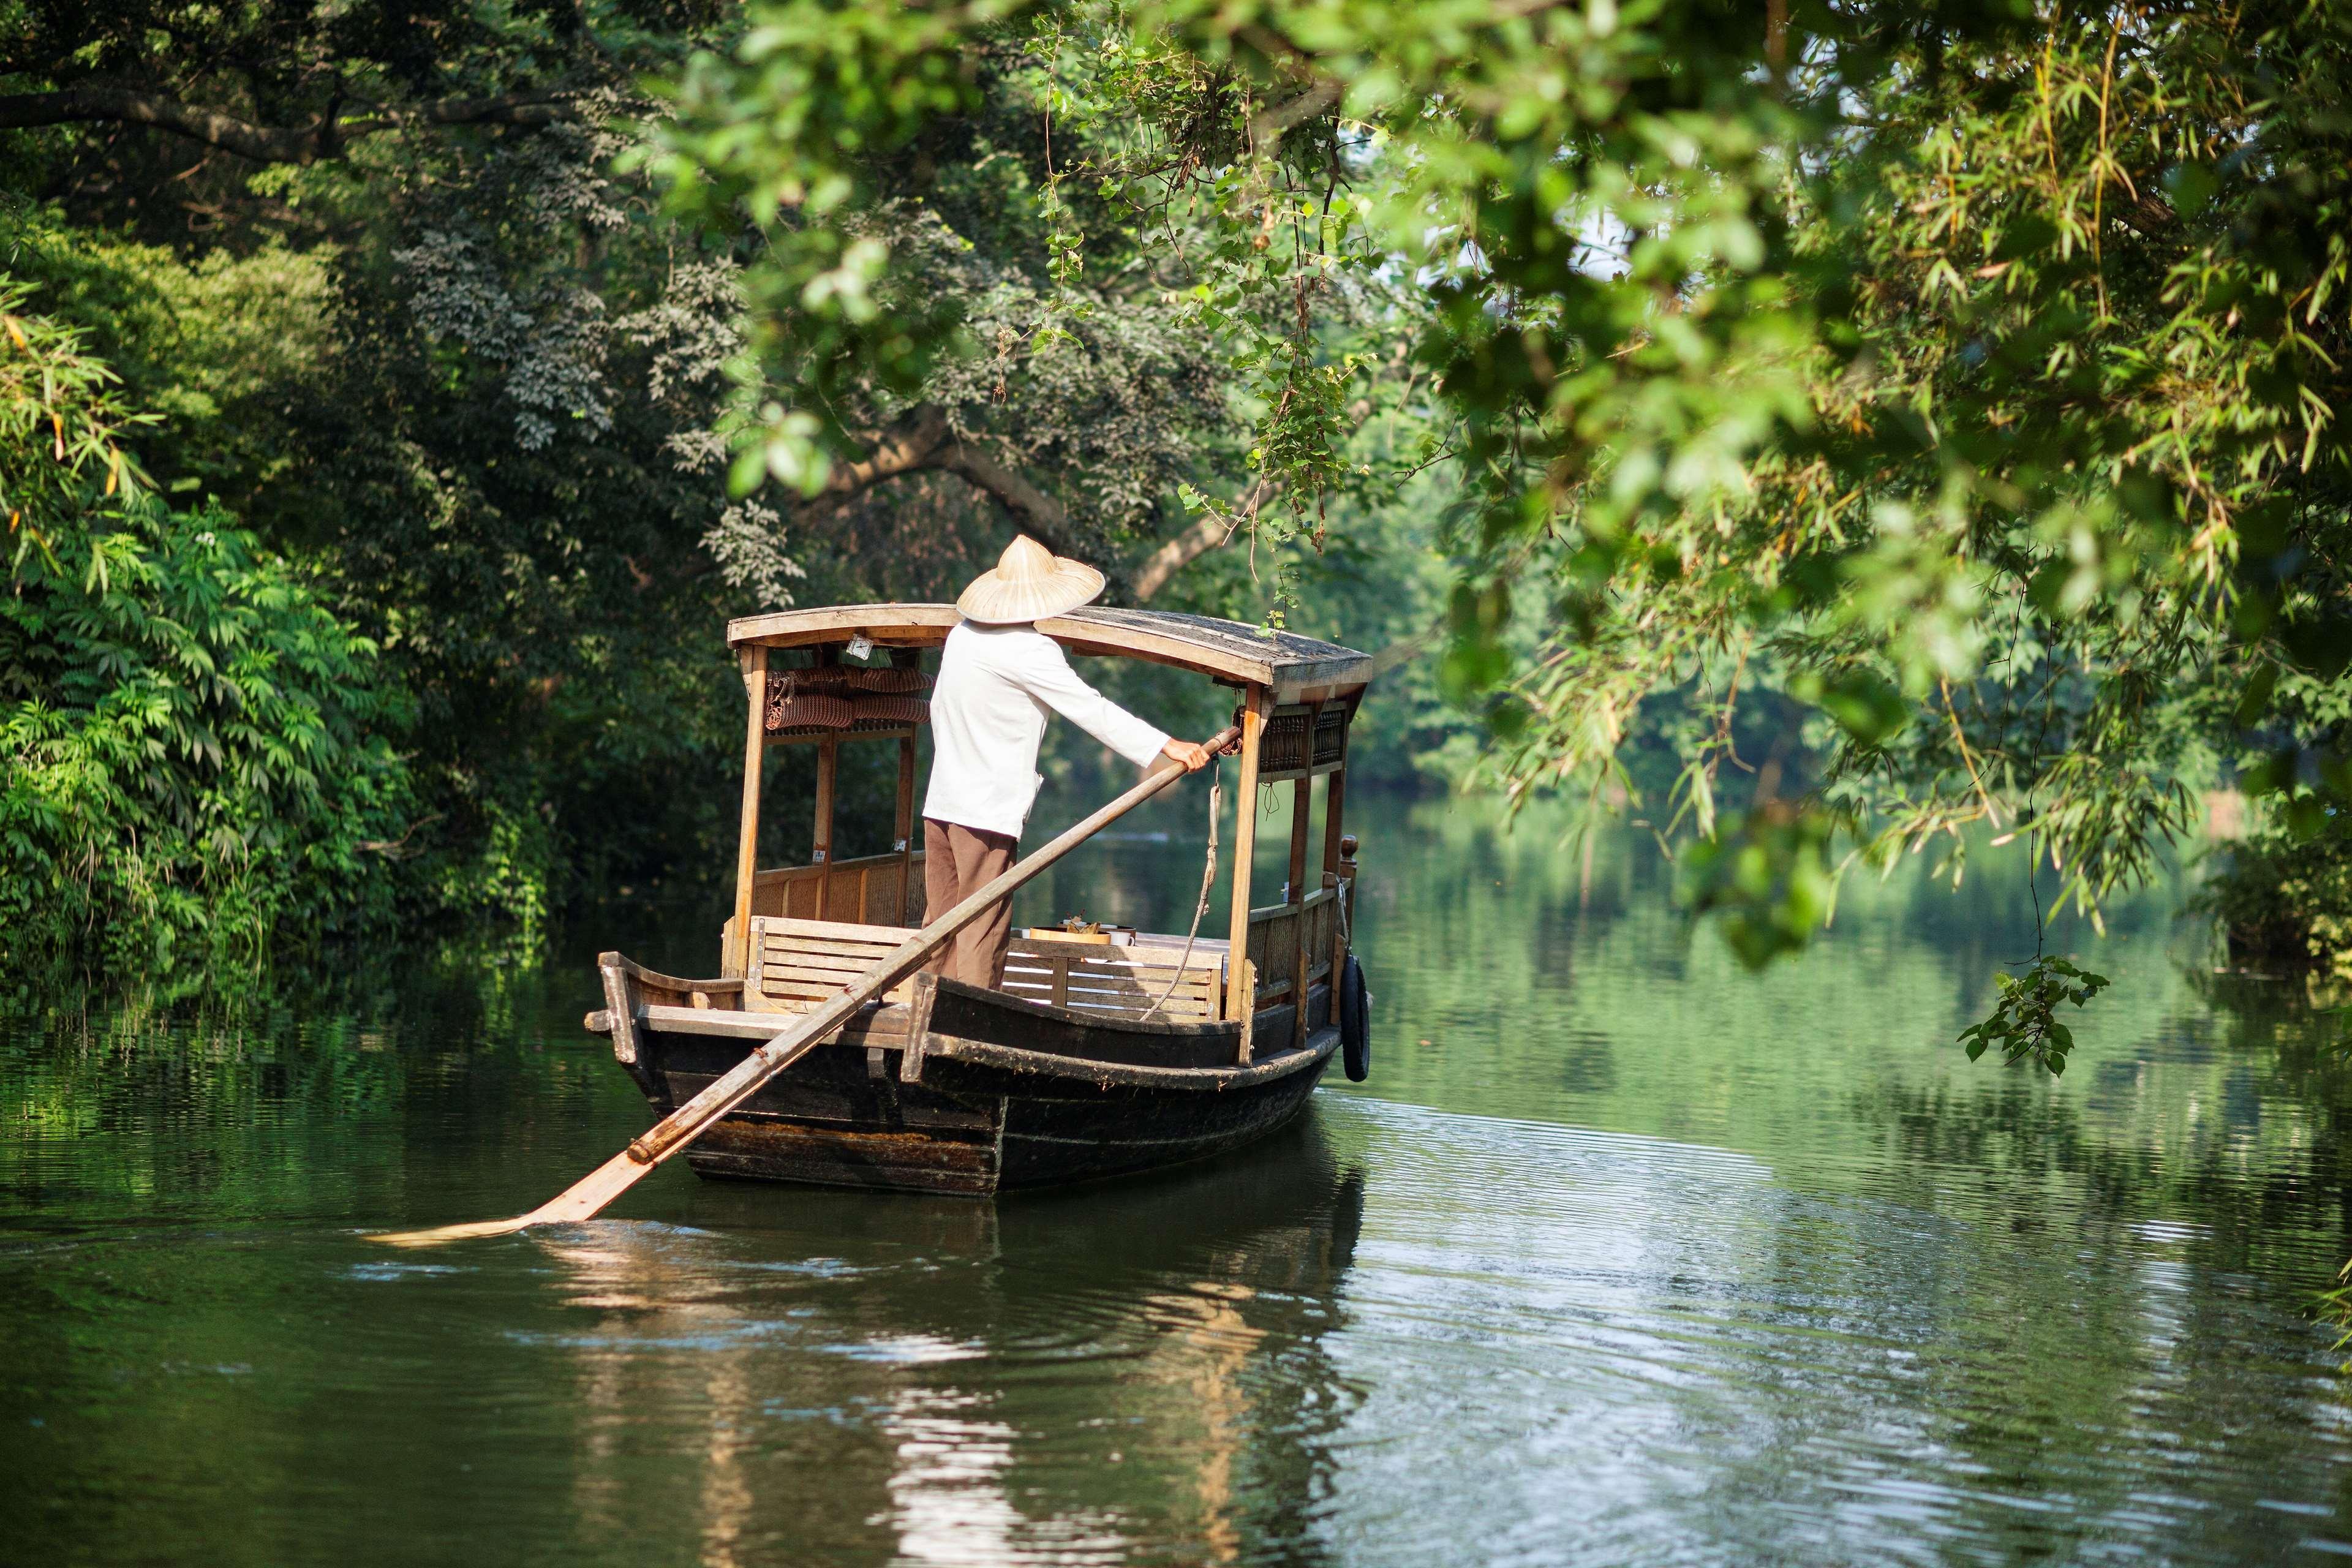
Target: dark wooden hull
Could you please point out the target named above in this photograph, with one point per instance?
(966, 1090)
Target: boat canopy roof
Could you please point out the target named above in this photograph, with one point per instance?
(1296, 667)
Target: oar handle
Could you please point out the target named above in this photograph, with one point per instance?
(723, 1094)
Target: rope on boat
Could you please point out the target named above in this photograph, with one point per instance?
(1208, 876)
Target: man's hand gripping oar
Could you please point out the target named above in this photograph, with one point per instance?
(585, 1198)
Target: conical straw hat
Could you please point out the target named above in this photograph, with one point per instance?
(1029, 583)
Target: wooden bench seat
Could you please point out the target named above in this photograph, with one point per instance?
(800, 963)
(803, 963)
(1119, 982)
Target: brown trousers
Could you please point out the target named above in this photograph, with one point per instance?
(957, 861)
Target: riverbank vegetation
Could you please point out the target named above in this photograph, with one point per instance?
(1838, 431)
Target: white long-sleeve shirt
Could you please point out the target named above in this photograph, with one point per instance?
(988, 717)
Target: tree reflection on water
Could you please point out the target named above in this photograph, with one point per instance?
(908, 1373)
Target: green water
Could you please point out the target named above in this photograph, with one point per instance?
(1622, 1256)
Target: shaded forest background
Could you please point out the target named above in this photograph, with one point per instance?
(445, 402)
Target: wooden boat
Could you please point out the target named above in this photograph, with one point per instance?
(1104, 1053)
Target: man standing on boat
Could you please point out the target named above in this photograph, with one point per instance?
(999, 679)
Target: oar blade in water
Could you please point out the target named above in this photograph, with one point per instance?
(584, 1199)
(682, 1126)
(442, 1234)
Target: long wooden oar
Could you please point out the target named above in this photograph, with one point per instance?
(616, 1176)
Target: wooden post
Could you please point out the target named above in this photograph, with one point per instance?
(1335, 796)
(1248, 972)
(1302, 812)
(1342, 933)
(828, 760)
(903, 827)
(746, 859)
(1241, 989)
(1302, 816)
(1334, 793)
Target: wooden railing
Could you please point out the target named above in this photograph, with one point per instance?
(879, 890)
(801, 958)
(1287, 940)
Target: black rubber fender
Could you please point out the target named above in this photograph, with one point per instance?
(1355, 1022)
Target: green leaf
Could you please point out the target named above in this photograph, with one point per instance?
(2027, 234)
(1867, 704)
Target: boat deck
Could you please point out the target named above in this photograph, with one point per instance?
(964, 1090)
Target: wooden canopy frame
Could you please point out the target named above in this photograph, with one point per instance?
(1295, 669)
(1300, 691)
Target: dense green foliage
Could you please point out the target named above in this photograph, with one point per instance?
(204, 762)
(1831, 429)
(2287, 898)
(193, 749)
(1966, 375)
(2283, 894)
(418, 322)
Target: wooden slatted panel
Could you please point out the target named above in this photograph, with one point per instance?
(1288, 743)
(804, 962)
(1058, 975)
(1331, 735)
(1322, 936)
(1273, 947)
(1192, 997)
(886, 891)
(1125, 982)
(1155, 960)
(840, 895)
(876, 889)
(1274, 942)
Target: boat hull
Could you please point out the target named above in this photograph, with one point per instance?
(969, 1092)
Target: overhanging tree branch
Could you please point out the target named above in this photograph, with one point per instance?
(1038, 513)
(324, 138)
(910, 444)
(1181, 550)
(923, 439)
(1269, 124)
(1176, 553)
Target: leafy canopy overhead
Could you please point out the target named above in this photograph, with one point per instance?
(374, 272)
(1967, 373)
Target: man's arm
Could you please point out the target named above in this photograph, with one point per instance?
(1048, 677)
